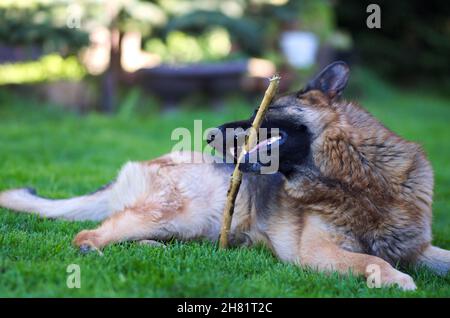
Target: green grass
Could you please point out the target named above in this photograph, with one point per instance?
(64, 155)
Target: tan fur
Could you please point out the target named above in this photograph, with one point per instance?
(377, 182)
(168, 207)
(319, 251)
(365, 199)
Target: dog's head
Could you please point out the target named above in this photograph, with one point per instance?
(292, 123)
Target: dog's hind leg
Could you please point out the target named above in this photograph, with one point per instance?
(146, 199)
(128, 225)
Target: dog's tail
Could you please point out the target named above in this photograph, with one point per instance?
(436, 259)
(93, 206)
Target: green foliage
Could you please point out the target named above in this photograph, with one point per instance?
(412, 44)
(319, 17)
(43, 26)
(243, 31)
(253, 26)
(180, 47)
(63, 155)
(49, 25)
(140, 16)
(48, 68)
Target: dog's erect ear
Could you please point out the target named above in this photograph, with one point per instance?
(331, 81)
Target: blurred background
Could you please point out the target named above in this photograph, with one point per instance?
(86, 85)
(142, 56)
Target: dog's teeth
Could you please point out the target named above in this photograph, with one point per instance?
(273, 139)
(264, 143)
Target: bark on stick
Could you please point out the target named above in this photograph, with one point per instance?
(236, 177)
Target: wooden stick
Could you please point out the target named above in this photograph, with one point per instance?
(236, 177)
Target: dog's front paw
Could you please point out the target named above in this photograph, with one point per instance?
(402, 280)
(239, 239)
(84, 249)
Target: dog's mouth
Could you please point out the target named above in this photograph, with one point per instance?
(263, 146)
(263, 154)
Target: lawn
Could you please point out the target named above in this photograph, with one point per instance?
(63, 154)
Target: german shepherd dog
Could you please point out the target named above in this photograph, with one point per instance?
(349, 196)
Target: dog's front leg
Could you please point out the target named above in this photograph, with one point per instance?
(317, 250)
